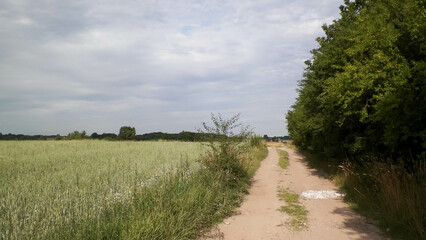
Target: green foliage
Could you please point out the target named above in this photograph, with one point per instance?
(253, 157)
(362, 99)
(20, 137)
(127, 133)
(364, 90)
(76, 135)
(187, 136)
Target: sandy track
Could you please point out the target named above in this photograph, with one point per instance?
(259, 217)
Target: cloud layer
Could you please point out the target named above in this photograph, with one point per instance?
(156, 65)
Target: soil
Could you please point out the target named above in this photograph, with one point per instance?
(259, 216)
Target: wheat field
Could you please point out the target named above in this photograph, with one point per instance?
(49, 185)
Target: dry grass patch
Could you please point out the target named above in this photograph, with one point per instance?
(283, 161)
(274, 144)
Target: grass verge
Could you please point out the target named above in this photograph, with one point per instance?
(296, 211)
(177, 206)
(387, 193)
(390, 194)
(253, 159)
(283, 161)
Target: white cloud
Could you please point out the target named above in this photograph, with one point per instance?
(160, 65)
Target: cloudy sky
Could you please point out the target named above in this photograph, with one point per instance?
(97, 65)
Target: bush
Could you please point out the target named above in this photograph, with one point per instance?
(226, 148)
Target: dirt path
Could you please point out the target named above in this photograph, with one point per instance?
(259, 217)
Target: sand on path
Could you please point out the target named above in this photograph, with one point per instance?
(259, 216)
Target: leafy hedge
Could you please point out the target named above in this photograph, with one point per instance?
(364, 91)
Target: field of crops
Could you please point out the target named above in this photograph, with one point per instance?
(49, 185)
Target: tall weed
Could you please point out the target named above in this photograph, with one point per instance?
(226, 148)
(255, 140)
(388, 193)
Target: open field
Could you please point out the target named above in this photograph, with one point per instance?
(49, 185)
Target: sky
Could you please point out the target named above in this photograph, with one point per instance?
(97, 65)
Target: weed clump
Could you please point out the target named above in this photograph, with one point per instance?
(226, 148)
(296, 211)
(283, 161)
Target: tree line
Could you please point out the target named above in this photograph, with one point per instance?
(364, 90)
(126, 133)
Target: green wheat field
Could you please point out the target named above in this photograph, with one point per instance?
(49, 185)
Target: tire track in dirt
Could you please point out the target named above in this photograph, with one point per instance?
(259, 216)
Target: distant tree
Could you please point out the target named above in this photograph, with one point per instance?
(186, 136)
(76, 135)
(127, 133)
(95, 135)
(108, 136)
(265, 137)
(286, 138)
(166, 136)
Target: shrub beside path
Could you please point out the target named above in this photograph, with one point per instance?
(259, 216)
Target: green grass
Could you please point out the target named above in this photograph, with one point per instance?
(390, 194)
(253, 158)
(48, 185)
(283, 161)
(113, 190)
(176, 206)
(297, 212)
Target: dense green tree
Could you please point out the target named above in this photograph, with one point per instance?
(364, 91)
(76, 135)
(127, 133)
